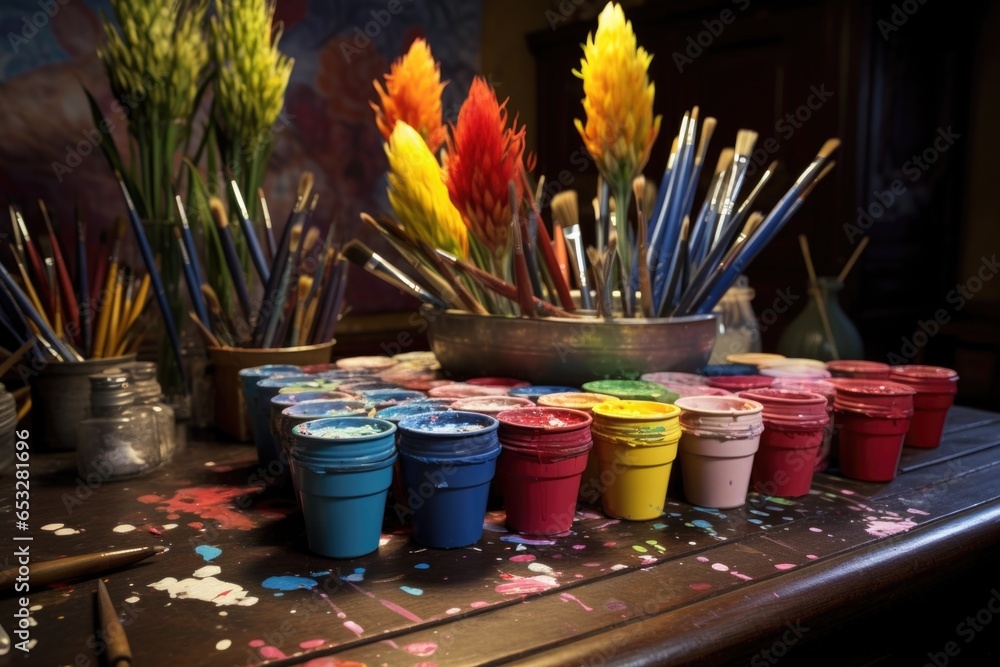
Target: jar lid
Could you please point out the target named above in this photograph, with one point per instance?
(110, 389)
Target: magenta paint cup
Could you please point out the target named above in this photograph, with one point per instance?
(828, 391)
(936, 388)
(858, 369)
(719, 437)
(794, 423)
(738, 383)
(544, 454)
(871, 419)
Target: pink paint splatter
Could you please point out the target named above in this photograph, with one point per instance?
(479, 604)
(354, 627)
(610, 544)
(812, 556)
(741, 576)
(197, 525)
(426, 664)
(392, 606)
(784, 566)
(328, 661)
(312, 643)
(527, 585)
(271, 653)
(816, 530)
(153, 530)
(578, 547)
(568, 597)
(256, 643)
(522, 558)
(888, 526)
(847, 492)
(702, 559)
(210, 503)
(914, 510)
(422, 649)
(700, 586)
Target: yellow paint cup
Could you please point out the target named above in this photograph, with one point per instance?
(636, 444)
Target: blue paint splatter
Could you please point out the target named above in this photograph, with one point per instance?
(289, 583)
(756, 521)
(709, 510)
(422, 566)
(517, 539)
(759, 513)
(319, 574)
(358, 575)
(411, 590)
(659, 526)
(207, 552)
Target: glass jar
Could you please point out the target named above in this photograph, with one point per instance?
(145, 387)
(739, 331)
(117, 440)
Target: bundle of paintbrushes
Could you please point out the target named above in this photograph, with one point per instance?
(300, 278)
(95, 313)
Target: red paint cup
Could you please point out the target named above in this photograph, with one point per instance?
(936, 388)
(544, 454)
(794, 422)
(738, 383)
(858, 369)
(871, 418)
(828, 391)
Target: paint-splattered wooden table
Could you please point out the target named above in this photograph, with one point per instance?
(809, 579)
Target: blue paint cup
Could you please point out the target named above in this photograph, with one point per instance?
(384, 398)
(536, 390)
(342, 469)
(448, 460)
(249, 377)
(395, 413)
(268, 388)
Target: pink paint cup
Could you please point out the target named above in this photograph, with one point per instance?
(828, 391)
(936, 388)
(491, 405)
(794, 422)
(871, 418)
(858, 369)
(719, 437)
(738, 383)
(544, 453)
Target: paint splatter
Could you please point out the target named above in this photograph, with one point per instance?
(618, 566)
(207, 571)
(886, 526)
(616, 605)
(209, 553)
(452, 610)
(781, 501)
(814, 529)
(211, 503)
(641, 549)
(132, 600)
(411, 590)
(124, 528)
(741, 576)
(52, 526)
(522, 558)
(784, 566)
(209, 589)
(421, 566)
(312, 643)
(527, 585)
(223, 644)
(914, 510)
(289, 583)
(479, 604)
(579, 547)
(720, 567)
(421, 649)
(569, 597)
(702, 559)
(847, 492)
(66, 531)
(655, 545)
(541, 568)
(271, 653)
(812, 556)
(700, 586)
(354, 627)
(517, 539)
(357, 575)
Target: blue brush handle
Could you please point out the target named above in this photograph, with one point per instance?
(235, 271)
(25, 305)
(256, 254)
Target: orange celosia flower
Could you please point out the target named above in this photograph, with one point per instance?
(483, 156)
(618, 98)
(412, 93)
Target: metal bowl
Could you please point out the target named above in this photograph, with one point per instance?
(568, 351)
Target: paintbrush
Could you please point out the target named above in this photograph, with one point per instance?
(102, 257)
(597, 269)
(44, 573)
(118, 653)
(566, 212)
(467, 300)
(557, 272)
(16, 355)
(704, 222)
(772, 224)
(83, 284)
(221, 324)
(309, 242)
(188, 240)
(140, 302)
(305, 284)
(358, 253)
(50, 276)
(34, 260)
(232, 259)
(297, 265)
(250, 235)
(853, 259)
(814, 289)
(116, 301)
(206, 333)
(191, 277)
(645, 287)
(67, 296)
(330, 311)
(324, 265)
(278, 297)
(158, 291)
(522, 279)
(269, 231)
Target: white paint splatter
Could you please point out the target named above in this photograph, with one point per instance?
(124, 528)
(132, 600)
(720, 567)
(169, 526)
(615, 568)
(207, 571)
(223, 644)
(209, 589)
(35, 607)
(52, 526)
(914, 510)
(452, 610)
(541, 567)
(67, 531)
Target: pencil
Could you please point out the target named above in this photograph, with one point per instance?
(116, 642)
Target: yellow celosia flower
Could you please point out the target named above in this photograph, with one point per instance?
(618, 98)
(412, 94)
(418, 194)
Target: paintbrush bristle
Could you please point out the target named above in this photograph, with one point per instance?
(357, 252)
(639, 190)
(707, 130)
(753, 222)
(218, 211)
(694, 113)
(305, 282)
(306, 181)
(672, 157)
(565, 208)
(294, 236)
(725, 159)
(311, 238)
(826, 170)
(828, 148)
(745, 140)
